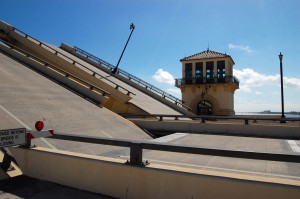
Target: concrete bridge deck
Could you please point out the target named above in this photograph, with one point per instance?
(27, 96)
(226, 164)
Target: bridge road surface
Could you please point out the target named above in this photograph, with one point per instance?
(141, 99)
(225, 164)
(27, 96)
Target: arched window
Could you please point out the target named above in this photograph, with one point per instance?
(204, 108)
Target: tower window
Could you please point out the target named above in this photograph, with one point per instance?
(209, 72)
(188, 73)
(221, 71)
(199, 72)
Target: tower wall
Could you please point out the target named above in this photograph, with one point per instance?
(208, 84)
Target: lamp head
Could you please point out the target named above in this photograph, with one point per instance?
(132, 26)
(280, 56)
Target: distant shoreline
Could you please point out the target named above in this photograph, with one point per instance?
(287, 114)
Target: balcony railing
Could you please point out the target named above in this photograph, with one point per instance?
(204, 80)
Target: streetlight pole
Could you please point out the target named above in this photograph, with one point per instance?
(116, 68)
(281, 82)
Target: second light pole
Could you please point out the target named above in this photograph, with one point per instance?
(116, 68)
(281, 83)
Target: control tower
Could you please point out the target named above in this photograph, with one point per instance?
(207, 84)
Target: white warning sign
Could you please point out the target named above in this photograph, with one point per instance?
(12, 137)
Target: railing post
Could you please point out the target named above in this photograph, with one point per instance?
(28, 143)
(136, 154)
(203, 120)
(246, 121)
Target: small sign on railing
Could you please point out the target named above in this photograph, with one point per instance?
(21, 136)
(12, 137)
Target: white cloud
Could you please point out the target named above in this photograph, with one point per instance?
(240, 47)
(175, 91)
(163, 77)
(292, 82)
(250, 79)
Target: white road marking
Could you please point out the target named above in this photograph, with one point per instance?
(25, 125)
(293, 144)
(106, 134)
(17, 119)
(218, 168)
(169, 138)
(5, 71)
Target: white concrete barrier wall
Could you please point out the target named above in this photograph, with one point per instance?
(113, 178)
(277, 131)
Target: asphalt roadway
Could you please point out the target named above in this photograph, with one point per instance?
(226, 164)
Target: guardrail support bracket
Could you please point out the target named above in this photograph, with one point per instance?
(136, 154)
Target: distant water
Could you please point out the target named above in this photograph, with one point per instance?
(287, 115)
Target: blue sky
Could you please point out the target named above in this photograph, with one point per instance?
(253, 32)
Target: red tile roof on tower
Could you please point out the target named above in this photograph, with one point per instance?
(207, 54)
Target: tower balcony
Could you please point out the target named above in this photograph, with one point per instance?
(195, 81)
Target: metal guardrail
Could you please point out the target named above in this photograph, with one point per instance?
(67, 74)
(71, 60)
(192, 81)
(133, 78)
(203, 118)
(136, 149)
